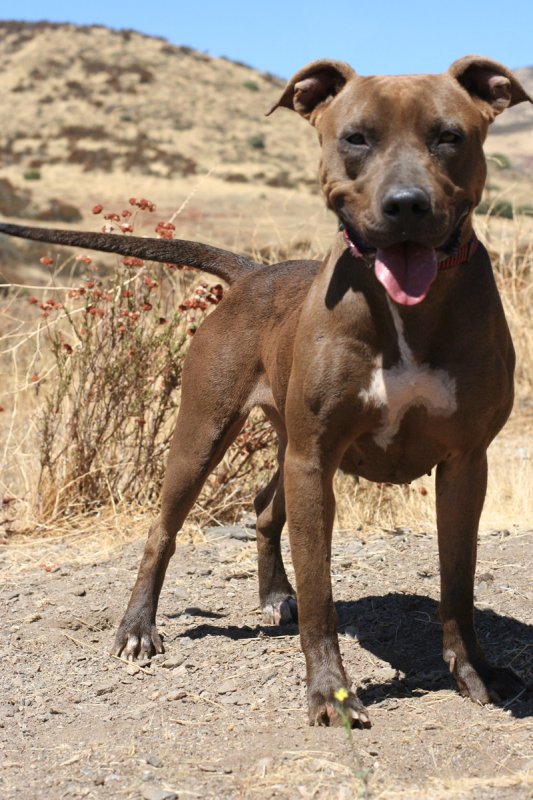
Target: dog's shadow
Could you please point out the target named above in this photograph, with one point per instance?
(403, 630)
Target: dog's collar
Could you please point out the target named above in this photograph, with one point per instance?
(461, 256)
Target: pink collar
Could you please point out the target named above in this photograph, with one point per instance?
(462, 255)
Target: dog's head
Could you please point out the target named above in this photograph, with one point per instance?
(402, 161)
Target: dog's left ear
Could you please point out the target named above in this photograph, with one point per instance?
(313, 85)
(489, 82)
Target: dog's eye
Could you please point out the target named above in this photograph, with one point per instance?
(450, 137)
(356, 138)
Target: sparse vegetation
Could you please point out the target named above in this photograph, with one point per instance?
(32, 175)
(499, 160)
(257, 141)
(111, 385)
(103, 364)
(496, 208)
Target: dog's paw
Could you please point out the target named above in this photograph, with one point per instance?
(137, 641)
(337, 709)
(280, 612)
(484, 683)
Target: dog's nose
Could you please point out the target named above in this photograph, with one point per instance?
(406, 205)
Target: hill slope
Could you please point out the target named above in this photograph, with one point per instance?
(95, 115)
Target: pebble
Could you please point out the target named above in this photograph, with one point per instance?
(239, 532)
(226, 687)
(179, 694)
(154, 793)
(105, 688)
(173, 662)
(153, 760)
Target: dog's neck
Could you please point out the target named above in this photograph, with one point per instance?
(344, 275)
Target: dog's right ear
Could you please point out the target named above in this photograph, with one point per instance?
(314, 85)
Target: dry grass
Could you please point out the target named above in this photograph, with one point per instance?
(29, 374)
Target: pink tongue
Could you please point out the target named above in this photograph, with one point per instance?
(406, 270)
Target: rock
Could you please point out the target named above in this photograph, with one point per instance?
(240, 532)
(240, 699)
(153, 760)
(172, 663)
(385, 674)
(154, 793)
(178, 694)
(105, 688)
(32, 618)
(226, 687)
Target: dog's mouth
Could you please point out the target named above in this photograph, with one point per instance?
(405, 269)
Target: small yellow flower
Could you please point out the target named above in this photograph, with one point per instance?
(341, 694)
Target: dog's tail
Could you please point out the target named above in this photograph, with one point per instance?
(222, 263)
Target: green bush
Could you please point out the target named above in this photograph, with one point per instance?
(251, 85)
(257, 141)
(32, 175)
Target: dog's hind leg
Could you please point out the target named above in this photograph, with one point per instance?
(208, 422)
(276, 595)
(277, 598)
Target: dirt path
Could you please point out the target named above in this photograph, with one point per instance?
(221, 714)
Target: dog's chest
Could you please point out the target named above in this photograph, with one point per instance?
(406, 385)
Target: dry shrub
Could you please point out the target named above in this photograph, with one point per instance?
(99, 389)
(513, 262)
(110, 395)
(117, 345)
(108, 415)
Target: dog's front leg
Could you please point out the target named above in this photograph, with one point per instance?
(310, 510)
(461, 486)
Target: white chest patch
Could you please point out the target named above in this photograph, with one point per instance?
(405, 385)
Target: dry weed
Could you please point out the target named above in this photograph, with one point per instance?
(91, 369)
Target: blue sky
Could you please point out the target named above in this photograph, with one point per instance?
(374, 36)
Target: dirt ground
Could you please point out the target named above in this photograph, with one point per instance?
(222, 713)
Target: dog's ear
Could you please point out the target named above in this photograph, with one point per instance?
(313, 85)
(489, 82)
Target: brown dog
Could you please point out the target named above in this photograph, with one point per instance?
(391, 357)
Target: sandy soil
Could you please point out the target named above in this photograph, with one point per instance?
(221, 713)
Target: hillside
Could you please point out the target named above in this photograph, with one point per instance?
(91, 115)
